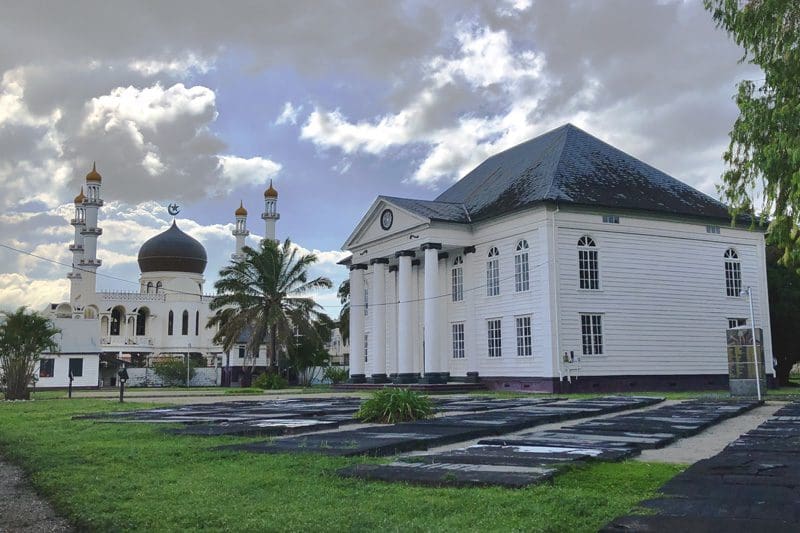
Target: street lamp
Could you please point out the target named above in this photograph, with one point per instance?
(749, 291)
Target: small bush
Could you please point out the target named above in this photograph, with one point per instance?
(173, 371)
(270, 381)
(336, 374)
(395, 405)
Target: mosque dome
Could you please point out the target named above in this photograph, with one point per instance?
(172, 251)
(94, 175)
(240, 211)
(271, 192)
(80, 198)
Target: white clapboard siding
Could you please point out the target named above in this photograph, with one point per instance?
(662, 293)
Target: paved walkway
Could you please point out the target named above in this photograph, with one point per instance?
(21, 509)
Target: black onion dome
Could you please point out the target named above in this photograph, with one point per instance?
(172, 251)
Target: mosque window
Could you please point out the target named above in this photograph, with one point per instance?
(158, 287)
(197, 322)
(185, 323)
(116, 320)
(170, 323)
(149, 287)
(141, 322)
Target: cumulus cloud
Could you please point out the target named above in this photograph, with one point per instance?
(188, 64)
(238, 171)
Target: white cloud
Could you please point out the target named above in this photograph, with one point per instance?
(239, 171)
(288, 114)
(176, 67)
(17, 290)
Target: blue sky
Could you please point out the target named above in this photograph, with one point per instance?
(203, 103)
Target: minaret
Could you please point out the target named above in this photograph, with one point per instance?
(240, 231)
(270, 214)
(76, 248)
(90, 232)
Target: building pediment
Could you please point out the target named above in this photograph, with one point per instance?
(384, 219)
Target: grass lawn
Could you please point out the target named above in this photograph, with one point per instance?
(132, 477)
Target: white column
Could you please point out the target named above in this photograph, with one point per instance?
(441, 306)
(432, 327)
(357, 323)
(405, 347)
(471, 327)
(377, 311)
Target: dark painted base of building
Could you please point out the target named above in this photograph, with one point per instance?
(604, 384)
(443, 388)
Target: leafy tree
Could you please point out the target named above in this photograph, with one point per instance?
(172, 371)
(764, 152)
(344, 314)
(265, 297)
(784, 311)
(23, 338)
(307, 350)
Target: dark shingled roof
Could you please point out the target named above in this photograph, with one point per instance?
(568, 166)
(446, 211)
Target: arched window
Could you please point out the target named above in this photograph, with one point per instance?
(158, 287)
(588, 268)
(149, 287)
(141, 321)
(197, 322)
(185, 323)
(733, 273)
(170, 323)
(116, 320)
(457, 276)
(521, 268)
(493, 272)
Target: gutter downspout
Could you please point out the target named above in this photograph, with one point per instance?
(556, 281)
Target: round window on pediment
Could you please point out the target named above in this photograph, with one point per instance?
(387, 217)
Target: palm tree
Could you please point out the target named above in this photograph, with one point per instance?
(23, 338)
(344, 314)
(265, 295)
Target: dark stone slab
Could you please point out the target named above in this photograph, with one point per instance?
(265, 428)
(453, 475)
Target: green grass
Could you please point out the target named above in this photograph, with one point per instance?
(133, 477)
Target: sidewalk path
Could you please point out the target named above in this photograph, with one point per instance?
(21, 509)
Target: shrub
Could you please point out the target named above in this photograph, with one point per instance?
(336, 374)
(173, 371)
(270, 381)
(392, 405)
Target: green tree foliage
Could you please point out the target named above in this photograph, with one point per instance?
(764, 152)
(336, 374)
(784, 312)
(173, 371)
(266, 296)
(23, 338)
(307, 350)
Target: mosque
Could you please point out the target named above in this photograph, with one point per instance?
(166, 317)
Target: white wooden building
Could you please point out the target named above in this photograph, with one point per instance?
(560, 264)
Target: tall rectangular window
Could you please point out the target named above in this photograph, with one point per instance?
(47, 368)
(521, 268)
(588, 270)
(493, 273)
(76, 366)
(366, 347)
(592, 334)
(524, 337)
(494, 335)
(241, 351)
(457, 275)
(458, 340)
(366, 301)
(733, 273)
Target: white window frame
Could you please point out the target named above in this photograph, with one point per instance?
(611, 219)
(493, 272)
(524, 325)
(588, 264)
(736, 322)
(494, 337)
(715, 230)
(733, 273)
(458, 338)
(522, 276)
(592, 334)
(457, 279)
